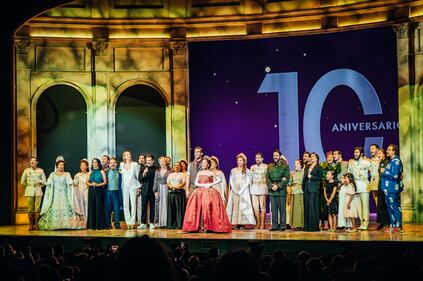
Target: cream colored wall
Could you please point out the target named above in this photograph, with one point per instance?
(100, 74)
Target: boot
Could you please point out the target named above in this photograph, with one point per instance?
(31, 221)
(263, 220)
(257, 217)
(36, 220)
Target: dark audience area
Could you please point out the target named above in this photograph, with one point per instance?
(147, 259)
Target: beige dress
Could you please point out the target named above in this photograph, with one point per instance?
(296, 200)
(81, 192)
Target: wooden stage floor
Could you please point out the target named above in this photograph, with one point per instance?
(412, 233)
(288, 241)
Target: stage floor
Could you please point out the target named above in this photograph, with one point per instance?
(412, 233)
(371, 242)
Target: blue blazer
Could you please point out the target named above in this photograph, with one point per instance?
(391, 177)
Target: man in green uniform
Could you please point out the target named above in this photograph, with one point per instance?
(278, 175)
(33, 178)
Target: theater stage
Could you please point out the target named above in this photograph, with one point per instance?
(291, 242)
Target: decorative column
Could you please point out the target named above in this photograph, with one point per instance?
(24, 139)
(179, 99)
(408, 132)
(417, 123)
(98, 142)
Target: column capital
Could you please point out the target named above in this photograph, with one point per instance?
(99, 47)
(404, 30)
(178, 48)
(22, 45)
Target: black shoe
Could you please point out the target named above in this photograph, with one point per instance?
(117, 227)
(274, 229)
(282, 229)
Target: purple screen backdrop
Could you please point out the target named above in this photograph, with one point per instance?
(228, 116)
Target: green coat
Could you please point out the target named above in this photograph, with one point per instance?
(275, 174)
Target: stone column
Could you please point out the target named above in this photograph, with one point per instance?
(25, 142)
(179, 99)
(99, 134)
(409, 146)
(416, 121)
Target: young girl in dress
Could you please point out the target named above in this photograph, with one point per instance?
(350, 208)
(331, 206)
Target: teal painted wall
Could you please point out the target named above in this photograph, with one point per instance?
(140, 122)
(61, 128)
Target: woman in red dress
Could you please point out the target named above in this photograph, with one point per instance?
(205, 210)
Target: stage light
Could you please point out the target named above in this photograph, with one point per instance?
(267, 69)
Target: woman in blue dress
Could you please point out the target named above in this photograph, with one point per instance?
(59, 209)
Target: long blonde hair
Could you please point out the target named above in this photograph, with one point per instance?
(123, 153)
(244, 166)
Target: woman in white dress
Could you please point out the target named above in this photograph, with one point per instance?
(240, 209)
(222, 186)
(342, 222)
(81, 188)
(130, 184)
(161, 192)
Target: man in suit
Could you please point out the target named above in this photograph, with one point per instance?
(392, 187)
(192, 170)
(360, 167)
(147, 194)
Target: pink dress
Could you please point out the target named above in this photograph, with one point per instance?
(351, 212)
(205, 204)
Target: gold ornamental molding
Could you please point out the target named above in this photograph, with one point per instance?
(247, 20)
(22, 45)
(178, 48)
(99, 47)
(404, 30)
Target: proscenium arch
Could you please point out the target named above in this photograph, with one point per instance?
(313, 109)
(112, 105)
(33, 108)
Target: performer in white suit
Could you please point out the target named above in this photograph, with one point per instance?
(360, 167)
(130, 184)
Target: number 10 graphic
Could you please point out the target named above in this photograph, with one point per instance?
(285, 84)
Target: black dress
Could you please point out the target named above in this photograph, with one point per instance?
(333, 206)
(96, 216)
(311, 198)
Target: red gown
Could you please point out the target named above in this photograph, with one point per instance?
(206, 204)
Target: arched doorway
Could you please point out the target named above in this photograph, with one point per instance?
(61, 127)
(140, 122)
